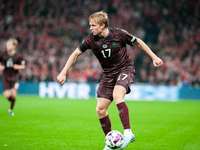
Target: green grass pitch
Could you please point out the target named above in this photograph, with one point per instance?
(64, 124)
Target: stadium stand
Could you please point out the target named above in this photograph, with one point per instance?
(49, 30)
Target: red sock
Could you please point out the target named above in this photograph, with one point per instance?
(124, 115)
(12, 102)
(105, 124)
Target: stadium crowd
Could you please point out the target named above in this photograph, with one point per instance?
(49, 30)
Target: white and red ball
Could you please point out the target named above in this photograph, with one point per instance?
(114, 139)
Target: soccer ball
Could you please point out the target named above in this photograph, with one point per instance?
(114, 139)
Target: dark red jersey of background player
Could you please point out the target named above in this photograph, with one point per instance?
(10, 74)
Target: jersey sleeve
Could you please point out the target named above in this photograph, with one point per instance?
(21, 60)
(129, 38)
(86, 44)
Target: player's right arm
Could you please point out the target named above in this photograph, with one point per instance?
(72, 59)
(2, 67)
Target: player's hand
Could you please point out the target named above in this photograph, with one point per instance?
(157, 62)
(2, 67)
(61, 78)
(15, 66)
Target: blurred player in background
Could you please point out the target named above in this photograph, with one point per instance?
(10, 63)
(109, 46)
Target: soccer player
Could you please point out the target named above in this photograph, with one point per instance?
(109, 46)
(10, 63)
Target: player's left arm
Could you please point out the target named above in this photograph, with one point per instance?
(19, 66)
(157, 62)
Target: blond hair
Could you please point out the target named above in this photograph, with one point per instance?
(14, 41)
(100, 17)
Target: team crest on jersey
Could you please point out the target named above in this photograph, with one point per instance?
(114, 44)
(105, 45)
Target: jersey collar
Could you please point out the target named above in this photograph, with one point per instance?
(107, 35)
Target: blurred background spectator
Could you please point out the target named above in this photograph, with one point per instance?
(49, 30)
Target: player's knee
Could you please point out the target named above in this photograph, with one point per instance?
(13, 94)
(101, 111)
(117, 97)
(6, 95)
